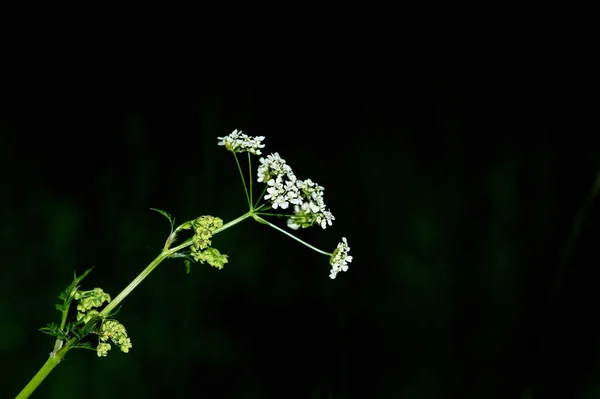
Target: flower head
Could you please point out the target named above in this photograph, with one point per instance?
(240, 142)
(88, 300)
(102, 349)
(284, 189)
(271, 167)
(313, 209)
(280, 178)
(115, 331)
(340, 258)
(201, 250)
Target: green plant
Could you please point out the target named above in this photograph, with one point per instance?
(93, 326)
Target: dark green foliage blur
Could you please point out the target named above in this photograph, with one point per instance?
(455, 182)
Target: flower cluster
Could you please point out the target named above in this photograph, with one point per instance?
(115, 331)
(201, 250)
(88, 300)
(285, 189)
(278, 175)
(340, 258)
(203, 227)
(240, 142)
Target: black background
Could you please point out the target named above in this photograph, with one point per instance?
(455, 169)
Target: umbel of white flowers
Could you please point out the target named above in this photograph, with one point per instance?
(284, 191)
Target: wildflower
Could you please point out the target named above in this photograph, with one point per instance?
(280, 178)
(240, 142)
(272, 166)
(115, 331)
(88, 316)
(203, 228)
(88, 300)
(324, 218)
(340, 258)
(315, 210)
(212, 256)
(102, 349)
(308, 214)
(285, 190)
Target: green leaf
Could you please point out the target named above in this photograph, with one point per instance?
(66, 294)
(165, 214)
(84, 275)
(85, 345)
(52, 329)
(52, 326)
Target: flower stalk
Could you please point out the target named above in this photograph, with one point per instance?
(301, 202)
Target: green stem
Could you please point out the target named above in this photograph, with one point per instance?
(40, 376)
(60, 351)
(136, 281)
(263, 221)
(163, 255)
(259, 198)
(250, 180)
(243, 180)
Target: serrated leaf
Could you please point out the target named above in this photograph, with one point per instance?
(52, 326)
(84, 275)
(59, 307)
(51, 333)
(85, 345)
(66, 294)
(51, 329)
(165, 214)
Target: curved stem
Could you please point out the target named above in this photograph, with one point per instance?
(60, 351)
(162, 256)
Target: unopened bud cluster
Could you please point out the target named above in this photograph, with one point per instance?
(116, 332)
(88, 301)
(201, 250)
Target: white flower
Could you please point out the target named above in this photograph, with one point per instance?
(282, 192)
(324, 218)
(284, 189)
(272, 166)
(340, 258)
(278, 175)
(240, 142)
(302, 217)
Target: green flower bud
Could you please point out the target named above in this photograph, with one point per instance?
(91, 299)
(212, 256)
(87, 316)
(115, 331)
(102, 349)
